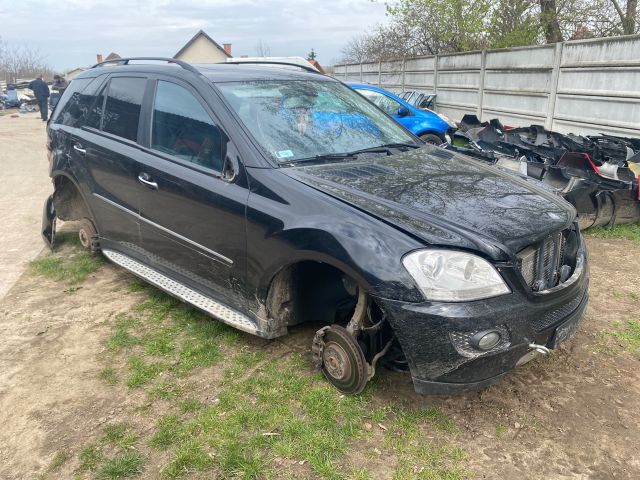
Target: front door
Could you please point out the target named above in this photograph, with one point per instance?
(192, 219)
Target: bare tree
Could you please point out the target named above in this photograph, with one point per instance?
(628, 16)
(21, 61)
(262, 49)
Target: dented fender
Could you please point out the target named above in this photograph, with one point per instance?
(49, 222)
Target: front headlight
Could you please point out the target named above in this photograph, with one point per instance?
(453, 276)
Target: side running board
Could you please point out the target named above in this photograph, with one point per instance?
(186, 294)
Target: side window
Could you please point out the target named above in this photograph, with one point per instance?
(122, 110)
(182, 127)
(95, 113)
(385, 103)
(73, 103)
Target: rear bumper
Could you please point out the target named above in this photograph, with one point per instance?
(441, 363)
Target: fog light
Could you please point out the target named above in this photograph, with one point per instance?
(486, 340)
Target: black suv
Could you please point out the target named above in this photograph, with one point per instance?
(270, 197)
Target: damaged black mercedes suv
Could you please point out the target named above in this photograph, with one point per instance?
(269, 197)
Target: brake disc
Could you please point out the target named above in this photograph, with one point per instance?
(341, 359)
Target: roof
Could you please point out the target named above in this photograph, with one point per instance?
(219, 72)
(201, 33)
(222, 72)
(112, 56)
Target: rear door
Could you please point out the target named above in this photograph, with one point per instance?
(108, 144)
(192, 218)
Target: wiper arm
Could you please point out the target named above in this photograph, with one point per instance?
(386, 148)
(341, 156)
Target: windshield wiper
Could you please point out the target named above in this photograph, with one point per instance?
(341, 156)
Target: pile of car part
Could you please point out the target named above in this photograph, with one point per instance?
(598, 174)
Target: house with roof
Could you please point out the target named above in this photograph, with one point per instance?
(203, 49)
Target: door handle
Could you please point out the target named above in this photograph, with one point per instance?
(78, 148)
(146, 180)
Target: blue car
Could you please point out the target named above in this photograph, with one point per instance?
(426, 124)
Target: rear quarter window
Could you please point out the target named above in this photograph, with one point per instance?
(122, 109)
(74, 103)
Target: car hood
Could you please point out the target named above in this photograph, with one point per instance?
(444, 198)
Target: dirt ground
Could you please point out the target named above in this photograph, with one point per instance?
(570, 415)
(25, 186)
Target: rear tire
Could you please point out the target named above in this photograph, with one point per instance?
(88, 236)
(431, 139)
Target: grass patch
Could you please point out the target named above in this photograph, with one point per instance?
(90, 458)
(626, 232)
(71, 265)
(122, 466)
(119, 435)
(109, 375)
(58, 461)
(190, 456)
(628, 336)
(264, 407)
(142, 373)
(621, 294)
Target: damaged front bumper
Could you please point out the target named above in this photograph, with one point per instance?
(436, 337)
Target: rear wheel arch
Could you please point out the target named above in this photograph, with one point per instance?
(68, 199)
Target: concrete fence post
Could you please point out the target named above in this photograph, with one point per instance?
(380, 74)
(403, 63)
(553, 88)
(435, 81)
(483, 65)
(361, 77)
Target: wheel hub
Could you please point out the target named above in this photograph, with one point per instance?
(336, 361)
(341, 359)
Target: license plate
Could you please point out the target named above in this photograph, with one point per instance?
(566, 331)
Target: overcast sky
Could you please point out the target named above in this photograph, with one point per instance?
(69, 33)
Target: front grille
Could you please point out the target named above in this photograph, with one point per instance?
(553, 317)
(546, 263)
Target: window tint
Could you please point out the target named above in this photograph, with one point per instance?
(385, 103)
(122, 110)
(95, 113)
(73, 104)
(182, 127)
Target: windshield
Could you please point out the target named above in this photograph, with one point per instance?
(305, 119)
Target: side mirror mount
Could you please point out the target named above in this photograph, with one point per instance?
(403, 111)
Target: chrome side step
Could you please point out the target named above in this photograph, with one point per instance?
(186, 294)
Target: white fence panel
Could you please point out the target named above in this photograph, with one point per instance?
(585, 86)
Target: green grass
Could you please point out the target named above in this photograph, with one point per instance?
(621, 294)
(119, 435)
(58, 461)
(261, 408)
(627, 232)
(109, 375)
(125, 465)
(90, 458)
(69, 263)
(629, 336)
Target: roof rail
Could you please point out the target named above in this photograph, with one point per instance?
(125, 61)
(240, 61)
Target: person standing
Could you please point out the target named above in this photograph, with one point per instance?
(41, 91)
(59, 84)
